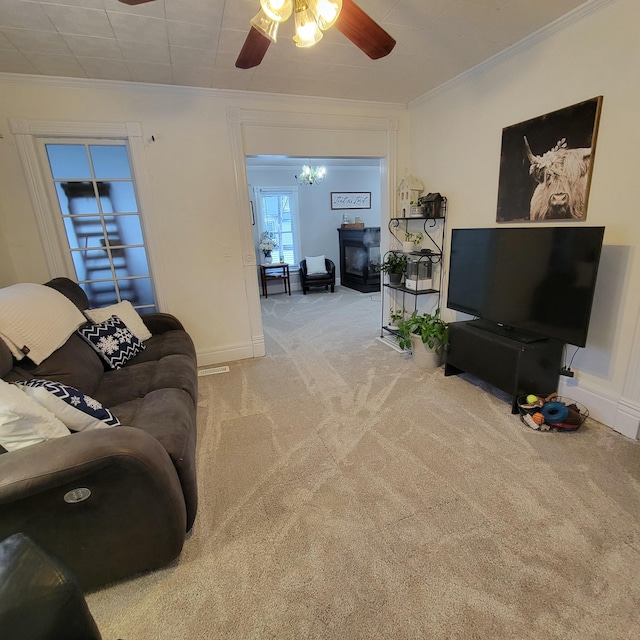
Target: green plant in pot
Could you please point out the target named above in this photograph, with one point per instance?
(395, 266)
(411, 241)
(426, 335)
(395, 315)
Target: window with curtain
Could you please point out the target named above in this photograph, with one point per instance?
(279, 215)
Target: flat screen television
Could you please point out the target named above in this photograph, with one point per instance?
(528, 283)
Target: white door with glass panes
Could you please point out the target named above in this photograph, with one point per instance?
(99, 217)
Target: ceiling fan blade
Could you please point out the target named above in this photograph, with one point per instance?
(253, 50)
(132, 3)
(364, 32)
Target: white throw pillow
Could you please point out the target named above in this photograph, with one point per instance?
(35, 320)
(315, 264)
(23, 421)
(76, 410)
(125, 311)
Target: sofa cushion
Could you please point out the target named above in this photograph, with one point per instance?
(36, 320)
(176, 342)
(113, 341)
(168, 361)
(75, 363)
(6, 359)
(138, 380)
(23, 421)
(71, 290)
(125, 311)
(76, 410)
(169, 415)
(320, 277)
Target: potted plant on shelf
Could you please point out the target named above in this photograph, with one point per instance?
(395, 316)
(395, 266)
(267, 244)
(426, 335)
(411, 241)
(416, 210)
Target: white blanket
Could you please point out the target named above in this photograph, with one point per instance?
(35, 320)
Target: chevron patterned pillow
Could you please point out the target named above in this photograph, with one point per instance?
(73, 408)
(114, 343)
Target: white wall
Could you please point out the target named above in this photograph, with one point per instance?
(455, 132)
(193, 177)
(318, 222)
(455, 145)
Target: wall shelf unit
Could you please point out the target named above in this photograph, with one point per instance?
(424, 271)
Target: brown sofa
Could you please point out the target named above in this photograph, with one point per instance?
(141, 475)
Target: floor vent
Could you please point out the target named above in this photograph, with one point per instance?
(212, 370)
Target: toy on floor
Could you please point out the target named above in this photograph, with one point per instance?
(551, 412)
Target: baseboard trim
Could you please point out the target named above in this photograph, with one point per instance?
(617, 413)
(229, 354)
(628, 420)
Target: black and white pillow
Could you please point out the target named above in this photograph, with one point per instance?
(113, 341)
(78, 411)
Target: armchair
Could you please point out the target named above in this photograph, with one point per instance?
(318, 279)
(40, 598)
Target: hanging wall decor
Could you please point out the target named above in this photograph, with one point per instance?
(546, 165)
(351, 199)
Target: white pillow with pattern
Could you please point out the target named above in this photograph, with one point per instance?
(23, 421)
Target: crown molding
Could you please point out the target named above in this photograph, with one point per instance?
(235, 95)
(576, 15)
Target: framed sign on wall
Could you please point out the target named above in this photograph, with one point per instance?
(351, 199)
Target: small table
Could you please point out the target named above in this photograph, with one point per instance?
(275, 271)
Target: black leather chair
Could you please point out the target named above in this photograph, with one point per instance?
(40, 599)
(325, 280)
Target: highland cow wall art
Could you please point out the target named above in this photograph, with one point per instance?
(546, 165)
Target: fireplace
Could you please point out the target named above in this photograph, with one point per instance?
(360, 258)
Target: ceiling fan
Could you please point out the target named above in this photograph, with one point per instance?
(312, 17)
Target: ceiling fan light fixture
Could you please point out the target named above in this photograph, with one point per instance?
(307, 32)
(327, 12)
(278, 10)
(311, 18)
(265, 25)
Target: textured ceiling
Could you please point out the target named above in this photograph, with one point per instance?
(196, 43)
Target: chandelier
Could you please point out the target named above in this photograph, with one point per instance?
(311, 18)
(311, 175)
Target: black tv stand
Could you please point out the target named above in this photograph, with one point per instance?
(519, 335)
(515, 367)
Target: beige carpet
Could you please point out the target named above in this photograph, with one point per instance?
(346, 494)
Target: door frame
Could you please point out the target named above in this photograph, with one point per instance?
(27, 134)
(255, 132)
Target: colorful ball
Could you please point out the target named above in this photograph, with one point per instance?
(538, 418)
(531, 399)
